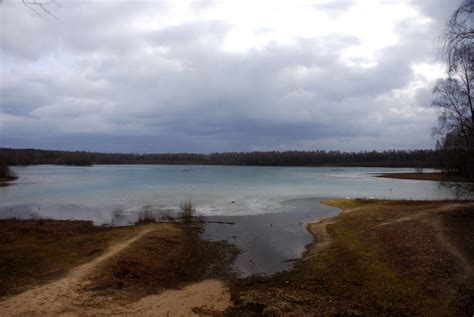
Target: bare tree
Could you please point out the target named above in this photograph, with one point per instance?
(460, 32)
(42, 6)
(455, 94)
(454, 98)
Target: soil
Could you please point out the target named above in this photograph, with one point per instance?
(143, 274)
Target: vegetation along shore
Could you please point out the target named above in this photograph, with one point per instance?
(436, 176)
(392, 158)
(377, 257)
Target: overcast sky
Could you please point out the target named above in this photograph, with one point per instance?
(204, 75)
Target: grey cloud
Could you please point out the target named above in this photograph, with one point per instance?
(202, 4)
(190, 32)
(116, 88)
(334, 8)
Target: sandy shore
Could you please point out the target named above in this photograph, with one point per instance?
(82, 270)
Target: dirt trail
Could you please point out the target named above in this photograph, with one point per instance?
(423, 214)
(208, 297)
(68, 295)
(431, 217)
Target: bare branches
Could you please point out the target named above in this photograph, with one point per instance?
(460, 33)
(39, 6)
(455, 95)
(187, 211)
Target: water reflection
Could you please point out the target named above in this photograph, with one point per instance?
(93, 193)
(270, 242)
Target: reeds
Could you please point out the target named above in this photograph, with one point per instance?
(187, 211)
(146, 215)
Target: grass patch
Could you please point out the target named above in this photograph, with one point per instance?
(385, 259)
(168, 257)
(33, 252)
(350, 203)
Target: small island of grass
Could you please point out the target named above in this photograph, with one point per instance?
(431, 176)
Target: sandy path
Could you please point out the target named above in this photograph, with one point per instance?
(68, 296)
(431, 217)
(207, 297)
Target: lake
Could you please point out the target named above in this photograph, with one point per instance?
(66, 192)
(268, 205)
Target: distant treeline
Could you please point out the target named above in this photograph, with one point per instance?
(392, 158)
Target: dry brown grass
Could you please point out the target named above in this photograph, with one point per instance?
(33, 252)
(169, 257)
(398, 258)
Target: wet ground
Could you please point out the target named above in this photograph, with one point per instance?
(269, 243)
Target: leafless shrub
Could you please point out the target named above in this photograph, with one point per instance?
(147, 215)
(118, 216)
(187, 211)
(462, 190)
(419, 169)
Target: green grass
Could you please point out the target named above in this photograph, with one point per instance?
(350, 203)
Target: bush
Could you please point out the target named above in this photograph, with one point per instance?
(419, 170)
(118, 217)
(146, 215)
(187, 211)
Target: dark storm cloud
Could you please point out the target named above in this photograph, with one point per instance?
(123, 76)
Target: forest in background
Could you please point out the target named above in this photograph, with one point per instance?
(391, 158)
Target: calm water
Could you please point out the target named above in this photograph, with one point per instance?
(268, 205)
(93, 192)
(270, 242)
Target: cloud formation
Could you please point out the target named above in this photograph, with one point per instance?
(201, 76)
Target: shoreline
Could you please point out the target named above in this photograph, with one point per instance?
(436, 176)
(8, 179)
(389, 256)
(269, 243)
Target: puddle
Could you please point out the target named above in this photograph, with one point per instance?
(269, 243)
